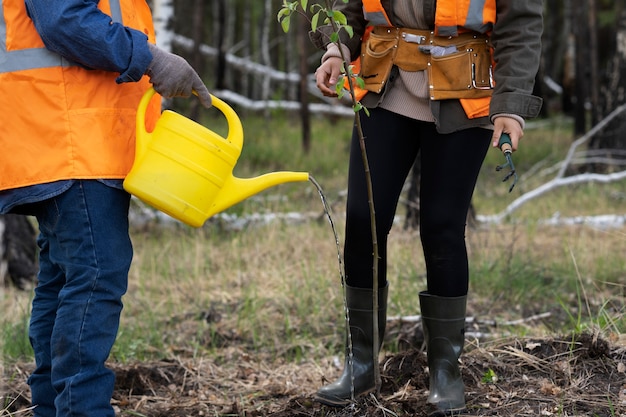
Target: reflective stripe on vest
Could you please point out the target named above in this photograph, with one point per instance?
(475, 15)
(374, 12)
(40, 57)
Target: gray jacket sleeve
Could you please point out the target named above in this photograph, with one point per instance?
(516, 38)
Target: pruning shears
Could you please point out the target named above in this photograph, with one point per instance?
(506, 146)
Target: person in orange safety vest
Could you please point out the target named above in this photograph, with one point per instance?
(444, 80)
(72, 73)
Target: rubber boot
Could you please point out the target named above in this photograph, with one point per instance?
(443, 320)
(360, 312)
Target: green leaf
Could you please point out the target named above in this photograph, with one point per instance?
(339, 86)
(489, 377)
(285, 23)
(339, 17)
(304, 4)
(282, 13)
(360, 82)
(334, 37)
(314, 21)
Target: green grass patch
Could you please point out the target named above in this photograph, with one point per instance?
(276, 288)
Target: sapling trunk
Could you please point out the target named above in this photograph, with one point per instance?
(327, 14)
(356, 105)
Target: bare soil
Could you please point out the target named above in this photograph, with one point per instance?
(570, 376)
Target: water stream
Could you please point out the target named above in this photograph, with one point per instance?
(327, 211)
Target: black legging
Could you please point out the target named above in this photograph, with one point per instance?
(450, 164)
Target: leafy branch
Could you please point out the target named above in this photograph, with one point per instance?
(338, 21)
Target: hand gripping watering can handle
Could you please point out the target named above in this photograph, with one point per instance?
(235, 129)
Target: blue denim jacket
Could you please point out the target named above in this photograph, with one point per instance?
(79, 31)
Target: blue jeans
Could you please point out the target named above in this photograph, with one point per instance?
(85, 255)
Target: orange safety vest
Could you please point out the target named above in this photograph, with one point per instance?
(59, 120)
(468, 15)
(451, 17)
(375, 13)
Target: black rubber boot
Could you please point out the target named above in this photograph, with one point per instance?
(359, 302)
(443, 320)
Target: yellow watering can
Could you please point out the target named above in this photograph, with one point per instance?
(186, 170)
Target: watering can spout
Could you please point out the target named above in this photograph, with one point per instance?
(236, 189)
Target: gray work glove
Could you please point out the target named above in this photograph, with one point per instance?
(172, 76)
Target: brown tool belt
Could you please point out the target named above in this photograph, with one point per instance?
(458, 67)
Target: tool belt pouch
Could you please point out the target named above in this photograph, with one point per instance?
(466, 73)
(377, 57)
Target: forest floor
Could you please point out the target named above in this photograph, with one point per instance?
(583, 375)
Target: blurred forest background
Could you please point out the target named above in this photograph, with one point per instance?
(245, 58)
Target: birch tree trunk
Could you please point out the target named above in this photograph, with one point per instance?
(291, 54)
(247, 47)
(197, 60)
(265, 47)
(162, 14)
(305, 118)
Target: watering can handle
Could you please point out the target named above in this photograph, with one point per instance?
(235, 129)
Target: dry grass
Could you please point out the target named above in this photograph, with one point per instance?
(581, 376)
(249, 322)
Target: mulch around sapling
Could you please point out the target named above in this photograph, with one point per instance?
(582, 375)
